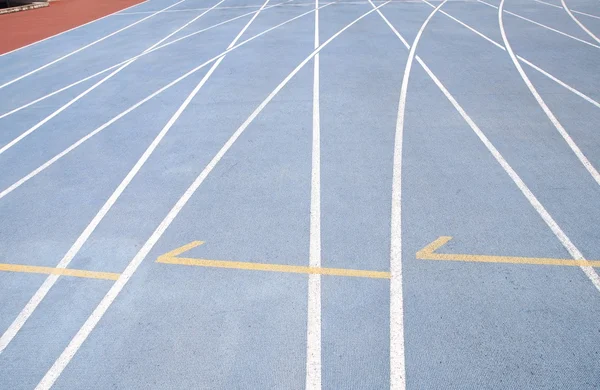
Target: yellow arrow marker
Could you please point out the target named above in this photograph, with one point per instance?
(428, 253)
(171, 258)
(58, 271)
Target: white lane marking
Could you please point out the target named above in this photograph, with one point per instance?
(588, 32)
(313, 327)
(525, 61)
(539, 208)
(84, 93)
(582, 158)
(89, 325)
(219, 8)
(572, 10)
(71, 29)
(148, 51)
(76, 144)
(41, 292)
(87, 46)
(397, 357)
(542, 25)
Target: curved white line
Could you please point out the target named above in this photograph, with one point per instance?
(69, 352)
(588, 32)
(582, 158)
(78, 143)
(397, 356)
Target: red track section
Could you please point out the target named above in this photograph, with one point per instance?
(22, 28)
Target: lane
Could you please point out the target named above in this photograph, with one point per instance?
(454, 336)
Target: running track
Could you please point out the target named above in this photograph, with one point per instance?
(234, 194)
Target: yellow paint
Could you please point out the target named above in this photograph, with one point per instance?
(58, 271)
(428, 253)
(171, 258)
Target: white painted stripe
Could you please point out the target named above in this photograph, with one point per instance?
(219, 8)
(539, 208)
(146, 52)
(561, 130)
(76, 144)
(572, 10)
(397, 357)
(71, 29)
(313, 328)
(84, 93)
(41, 292)
(588, 32)
(87, 46)
(543, 25)
(89, 325)
(525, 61)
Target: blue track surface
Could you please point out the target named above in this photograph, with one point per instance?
(291, 155)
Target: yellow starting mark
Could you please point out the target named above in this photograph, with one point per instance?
(172, 258)
(58, 271)
(428, 253)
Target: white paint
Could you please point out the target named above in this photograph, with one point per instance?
(84, 93)
(89, 325)
(525, 61)
(588, 32)
(397, 357)
(572, 10)
(76, 144)
(87, 46)
(146, 52)
(543, 25)
(561, 130)
(71, 29)
(219, 8)
(313, 327)
(41, 292)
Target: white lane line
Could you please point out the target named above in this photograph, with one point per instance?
(542, 25)
(146, 52)
(71, 29)
(588, 32)
(87, 46)
(219, 8)
(397, 357)
(313, 328)
(76, 144)
(582, 158)
(41, 292)
(539, 208)
(90, 89)
(574, 11)
(525, 61)
(89, 325)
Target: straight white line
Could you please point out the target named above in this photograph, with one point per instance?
(146, 52)
(84, 93)
(41, 292)
(71, 29)
(313, 328)
(70, 351)
(582, 158)
(525, 61)
(397, 357)
(574, 11)
(76, 144)
(588, 32)
(542, 25)
(87, 46)
(219, 8)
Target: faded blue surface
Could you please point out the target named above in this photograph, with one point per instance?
(466, 325)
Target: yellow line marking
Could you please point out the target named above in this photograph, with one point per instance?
(171, 258)
(428, 253)
(58, 271)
